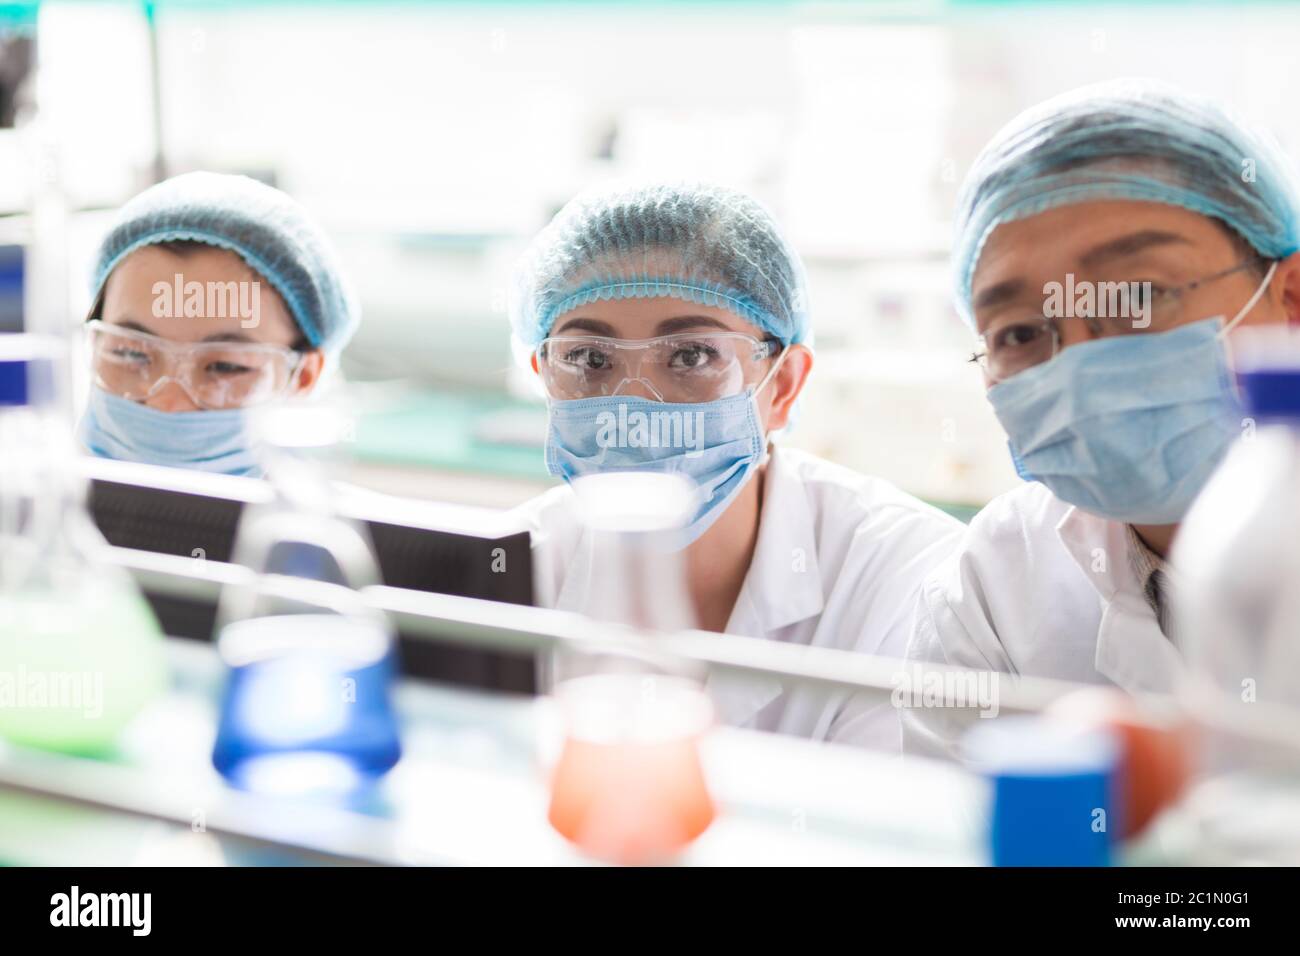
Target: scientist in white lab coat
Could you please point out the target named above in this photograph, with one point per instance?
(664, 299)
(1108, 243)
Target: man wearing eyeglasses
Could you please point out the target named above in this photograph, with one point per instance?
(669, 325)
(1115, 416)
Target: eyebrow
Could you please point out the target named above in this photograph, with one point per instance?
(1130, 245)
(679, 323)
(133, 326)
(1120, 248)
(593, 326)
(998, 294)
(683, 322)
(231, 337)
(237, 337)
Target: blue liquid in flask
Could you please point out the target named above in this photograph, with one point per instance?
(307, 704)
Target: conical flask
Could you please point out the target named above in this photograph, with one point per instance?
(307, 706)
(80, 651)
(629, 785)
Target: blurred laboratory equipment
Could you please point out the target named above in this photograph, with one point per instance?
(1238, 555)
(633, 525)
(1053, 788)
(46, 283)
(80, 651)
(1155, 750)
(629, 786)
(307, 703)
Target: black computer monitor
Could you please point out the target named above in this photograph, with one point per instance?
(420, 545)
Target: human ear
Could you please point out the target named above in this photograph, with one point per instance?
(309, 371)
(1287, 281)
(786, 385)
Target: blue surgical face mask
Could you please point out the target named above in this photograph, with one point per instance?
(1127, 427)
(213, 441)
(718, 445)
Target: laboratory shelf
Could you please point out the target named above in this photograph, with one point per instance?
(470, 790)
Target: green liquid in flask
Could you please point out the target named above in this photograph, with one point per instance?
(77, 664)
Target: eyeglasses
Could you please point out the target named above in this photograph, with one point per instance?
(686, 367)
(1020, 342)
(215, 375)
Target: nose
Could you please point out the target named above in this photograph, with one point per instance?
(638, 388)
(1073, 330)
(171, 398)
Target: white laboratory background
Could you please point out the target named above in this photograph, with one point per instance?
(433, 140)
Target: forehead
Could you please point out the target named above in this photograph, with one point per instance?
(1061, 240)
(199, 264)
(133, 289)
(647, 318)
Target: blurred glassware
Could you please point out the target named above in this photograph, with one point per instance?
(1054, 790)
(1238, 561)
(307, 705)
(1154, 750)
(80, 651)
(629, 786)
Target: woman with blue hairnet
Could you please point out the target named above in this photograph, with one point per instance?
(212, 294)
(663, 299)
(1108, 245)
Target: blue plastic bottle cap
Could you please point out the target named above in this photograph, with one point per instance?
(1266, 359)
(1052, 788)
(1271, 392)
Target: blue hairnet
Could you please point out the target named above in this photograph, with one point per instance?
(267, 229)
(1132, 140)
(705, 244)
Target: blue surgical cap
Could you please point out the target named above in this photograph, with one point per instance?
(1129, 140)
(705, 244)
(267, 229)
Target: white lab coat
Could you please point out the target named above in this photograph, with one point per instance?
(1042, 588)
(838, 563)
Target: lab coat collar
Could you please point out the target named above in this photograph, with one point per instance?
(1099, 547)
(1131, 650)
(782, 587)
(784, 584)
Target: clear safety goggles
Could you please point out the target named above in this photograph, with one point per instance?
(686, 367)
(215, 375)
